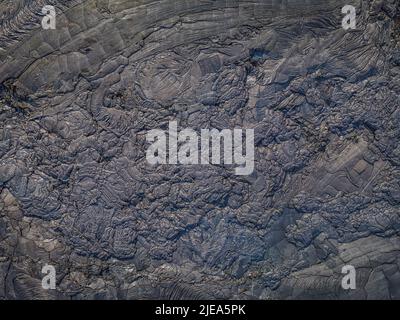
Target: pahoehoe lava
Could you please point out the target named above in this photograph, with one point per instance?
(76, 191)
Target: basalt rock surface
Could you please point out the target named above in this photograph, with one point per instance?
(77, 192)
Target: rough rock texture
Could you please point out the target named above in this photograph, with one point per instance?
(77, 192)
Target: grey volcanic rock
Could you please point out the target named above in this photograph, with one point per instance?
(77, 192)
